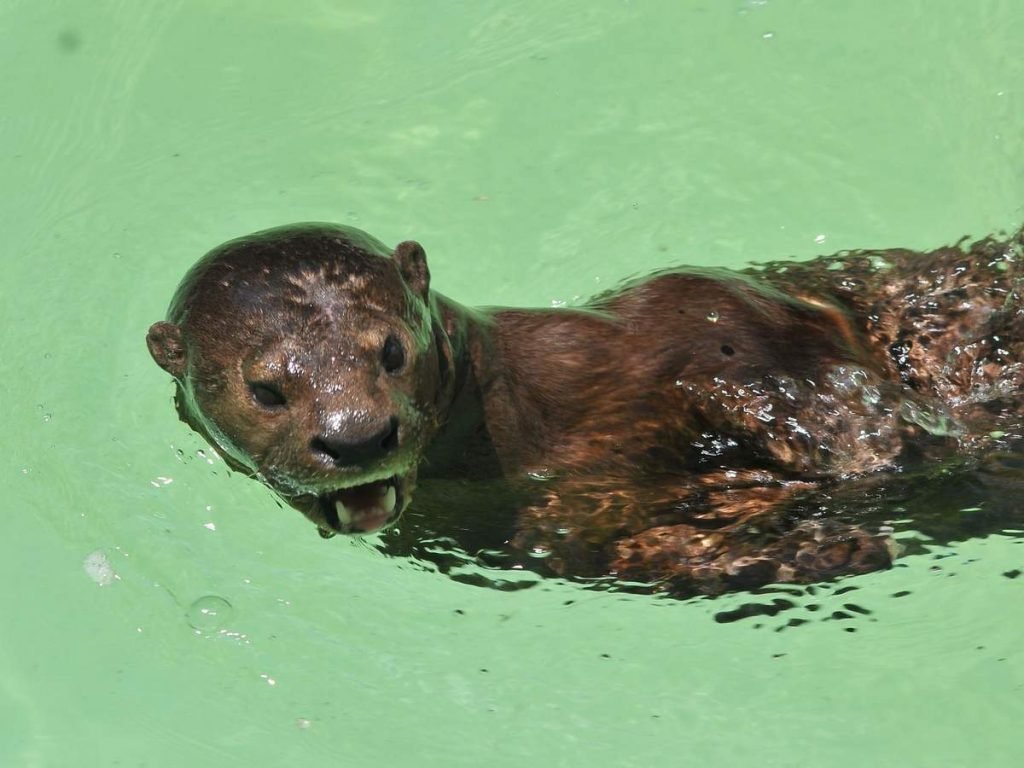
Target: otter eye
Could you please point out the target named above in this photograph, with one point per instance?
(266, 394)
(393, 355)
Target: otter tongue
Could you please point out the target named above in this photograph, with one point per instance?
(365, 503)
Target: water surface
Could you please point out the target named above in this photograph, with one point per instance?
(161, 611)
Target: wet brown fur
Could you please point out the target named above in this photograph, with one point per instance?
(668, 431)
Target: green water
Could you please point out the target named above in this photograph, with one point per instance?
(541, 151)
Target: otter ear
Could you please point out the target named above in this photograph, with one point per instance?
(412, 263)
(167, 348)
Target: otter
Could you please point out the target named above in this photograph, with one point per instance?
(691, 430)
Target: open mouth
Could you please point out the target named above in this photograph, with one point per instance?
(361, 508)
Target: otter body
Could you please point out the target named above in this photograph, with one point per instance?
(671, 431)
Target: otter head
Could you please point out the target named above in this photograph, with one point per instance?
(313, 357)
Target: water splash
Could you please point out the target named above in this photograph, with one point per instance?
(932, 419)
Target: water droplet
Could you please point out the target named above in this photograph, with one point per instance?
(209, 613)
(871, 395)
(712, 316)
(303, 723)
(846, 380)
(819, 239)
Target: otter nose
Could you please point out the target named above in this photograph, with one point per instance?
(345, 449)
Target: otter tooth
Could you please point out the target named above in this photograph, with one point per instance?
(390, 499)
(344, 516)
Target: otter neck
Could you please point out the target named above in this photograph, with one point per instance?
(516, 371)
(462, 440)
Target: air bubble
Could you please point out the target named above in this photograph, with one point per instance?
(99, 568)
(209, 613)
(712, 316)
